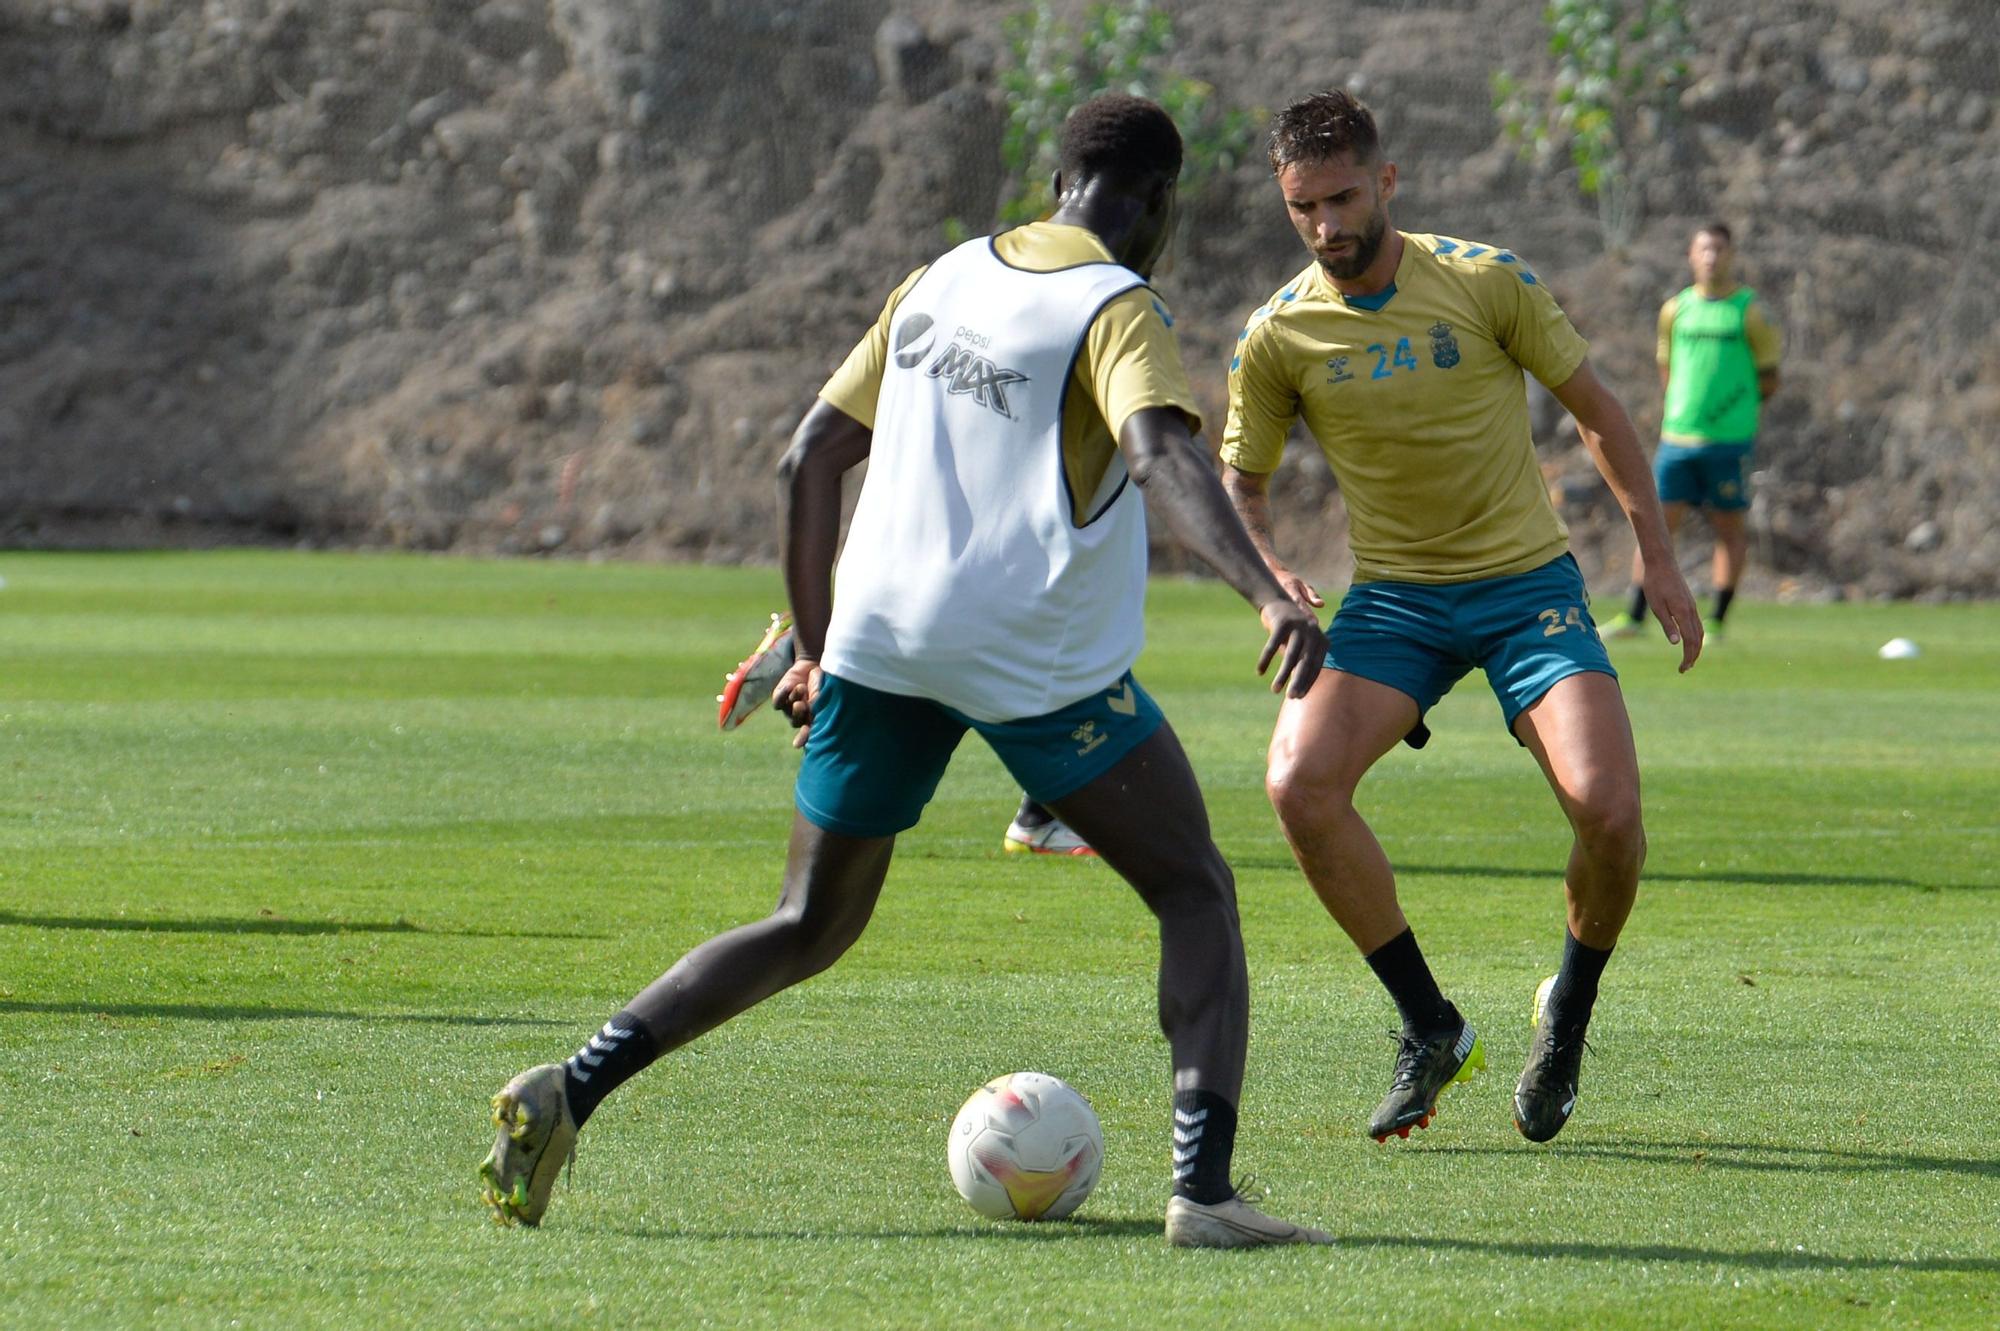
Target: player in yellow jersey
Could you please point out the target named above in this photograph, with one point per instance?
(1404, 355)
(1718, 354)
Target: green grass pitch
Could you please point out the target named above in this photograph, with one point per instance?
(301, 856)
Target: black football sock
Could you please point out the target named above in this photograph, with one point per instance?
(1723, 596)
(1575, 990)
(1033, 815)
(1399, 965)
(613, 1057)
(1204, 1141)
(1637, 610)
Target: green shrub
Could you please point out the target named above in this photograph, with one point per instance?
(1122, 46)
(1620, 69)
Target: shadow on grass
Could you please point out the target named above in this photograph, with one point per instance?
(238, 1012)
(1553, 873)
(1090, 1228)
(1761, 1159)
(1780, 1259)
(1049, 1231)
(220, 924)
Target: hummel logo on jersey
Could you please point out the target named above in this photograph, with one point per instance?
(1087, 737)
(974, 374)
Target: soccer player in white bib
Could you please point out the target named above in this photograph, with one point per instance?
(993, 579)
(1404, 355)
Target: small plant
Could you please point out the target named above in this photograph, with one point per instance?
(1620, 69)
(1122, 46)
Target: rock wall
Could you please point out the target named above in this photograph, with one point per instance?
(561, 275)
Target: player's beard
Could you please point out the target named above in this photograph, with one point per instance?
(1366, 246)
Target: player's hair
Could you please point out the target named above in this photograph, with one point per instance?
(1124, 138)
(1321, 127)
(1717, 229)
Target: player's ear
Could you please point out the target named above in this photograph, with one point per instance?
(1386, 181)
(1056, 187)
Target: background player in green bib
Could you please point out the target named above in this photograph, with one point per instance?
(1718, 357)
(1404, 356)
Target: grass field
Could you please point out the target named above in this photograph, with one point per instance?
(301, 856)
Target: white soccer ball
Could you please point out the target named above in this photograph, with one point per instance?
(1026, 1146)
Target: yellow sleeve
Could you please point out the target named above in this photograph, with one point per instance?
(1663, 348)
(1131, 360)
(1263, 403)
(1531, 327)
(1767, 345)
(858, 382)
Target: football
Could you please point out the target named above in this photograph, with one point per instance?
(1026, 1146)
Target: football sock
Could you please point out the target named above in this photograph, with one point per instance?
(612, 1057)
(1033, 814)
(1399, 965)
(1723, 596)
(1575, 990)
(1204, 1141)
(1638, 607)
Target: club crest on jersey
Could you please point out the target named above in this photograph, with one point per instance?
(973, 374)
(1444, 347)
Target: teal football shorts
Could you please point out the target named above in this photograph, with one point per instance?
(1715, 476)
(1526, 630)
(874, 759)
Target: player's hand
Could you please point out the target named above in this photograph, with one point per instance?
(1297, 588)
(1673, 605)
(795, 697)
(1296, 632)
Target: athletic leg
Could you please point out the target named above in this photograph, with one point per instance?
(1147, 820)
(1581, 736)
(831, 884)
(1324, 744)
(1732, 551)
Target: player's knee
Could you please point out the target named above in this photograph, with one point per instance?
(1609, 824)
(818, 936)
(1203, 887)
(1301, 795)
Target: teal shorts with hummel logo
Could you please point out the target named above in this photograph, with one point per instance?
(874, 759)
(1528, 631)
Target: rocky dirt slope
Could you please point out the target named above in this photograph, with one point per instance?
(561, 274)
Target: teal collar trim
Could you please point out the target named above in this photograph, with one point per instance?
(1371, 303)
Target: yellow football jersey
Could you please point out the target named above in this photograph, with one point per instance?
(1416, 397)
(1130, 359)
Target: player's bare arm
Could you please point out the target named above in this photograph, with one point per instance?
(1249, 495)
(1177, 477)
(1767, 383)
(1613, 444)
(827, 445)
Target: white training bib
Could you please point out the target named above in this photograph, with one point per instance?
(966, 578)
